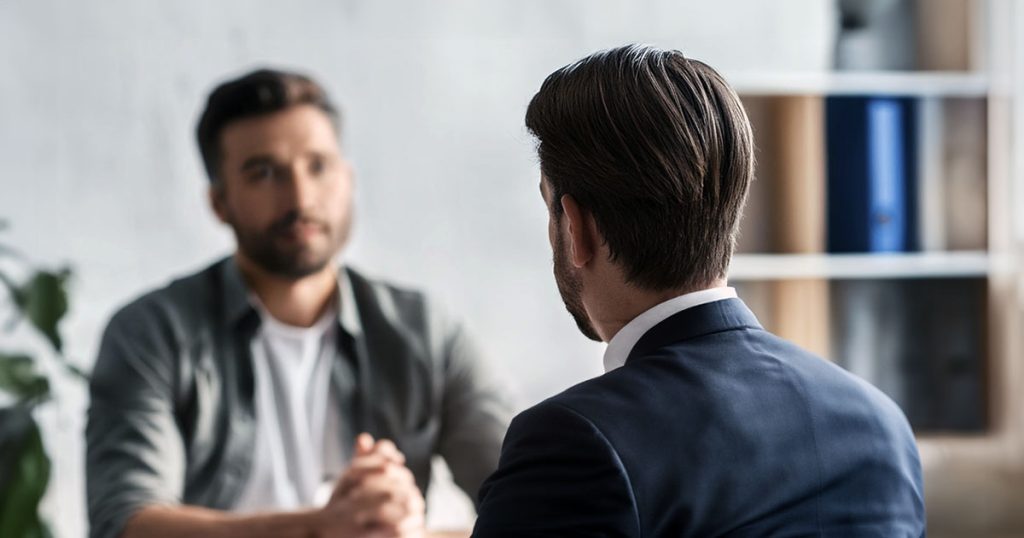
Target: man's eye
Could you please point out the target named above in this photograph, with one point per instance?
(261, 173)
(317, 166)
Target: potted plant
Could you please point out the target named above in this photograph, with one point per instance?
(40, 300)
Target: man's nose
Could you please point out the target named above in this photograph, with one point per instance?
(301, 189)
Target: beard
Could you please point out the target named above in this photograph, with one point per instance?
(570, 287)
(270, 250)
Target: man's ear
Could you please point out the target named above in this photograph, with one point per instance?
(584, 238)
(217, 202)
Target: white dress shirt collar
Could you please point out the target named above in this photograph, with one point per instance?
(622, 343)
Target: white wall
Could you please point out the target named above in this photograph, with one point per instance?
(98, 168)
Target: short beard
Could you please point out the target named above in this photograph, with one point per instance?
(571, 289)
(291, 264)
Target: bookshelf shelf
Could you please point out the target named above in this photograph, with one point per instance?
(764, 267)
(920, 83)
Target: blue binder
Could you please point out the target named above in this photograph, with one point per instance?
(871, 149)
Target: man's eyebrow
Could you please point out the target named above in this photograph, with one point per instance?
(257, 160)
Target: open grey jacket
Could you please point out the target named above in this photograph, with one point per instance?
(172, 417)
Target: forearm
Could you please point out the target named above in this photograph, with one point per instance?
(175, 521)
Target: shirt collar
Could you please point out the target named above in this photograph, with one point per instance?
(235, 294)
(348, 313)
(622, 343)
(237, 305)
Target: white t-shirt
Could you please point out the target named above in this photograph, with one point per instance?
(298, 453)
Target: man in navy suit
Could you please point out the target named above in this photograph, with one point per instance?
(704, 424)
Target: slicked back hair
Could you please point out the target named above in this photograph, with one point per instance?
(658, 148)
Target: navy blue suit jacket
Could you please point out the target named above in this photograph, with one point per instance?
(714, 427)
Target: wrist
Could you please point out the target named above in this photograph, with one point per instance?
(316, 523)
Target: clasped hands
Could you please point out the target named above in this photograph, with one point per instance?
(376, 497)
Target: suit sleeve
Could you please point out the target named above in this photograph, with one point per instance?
(134, 451)
(476, 407)
(558, 476)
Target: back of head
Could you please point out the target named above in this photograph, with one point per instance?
(658, 148)
(257, 93)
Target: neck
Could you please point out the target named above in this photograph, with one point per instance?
(294, 301)
(622, 303)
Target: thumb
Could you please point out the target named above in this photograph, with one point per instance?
(364, 444)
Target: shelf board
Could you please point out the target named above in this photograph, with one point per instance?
(747, 267)
(921, 83)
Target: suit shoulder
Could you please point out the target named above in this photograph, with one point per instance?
(829, 380)
(616, 388)
(834, 393)
(554, 428)
(551, 453)
(586, 404)
(560, 407)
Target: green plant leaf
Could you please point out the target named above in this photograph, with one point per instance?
(44, 301)
(18, 377)
(24, 477)
(15, 423)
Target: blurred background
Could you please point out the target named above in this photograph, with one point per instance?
(904, 268)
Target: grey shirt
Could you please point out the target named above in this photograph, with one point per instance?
(172, 417)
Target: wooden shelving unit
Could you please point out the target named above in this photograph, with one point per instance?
(766, 267)
(974, 60)
(930, 83)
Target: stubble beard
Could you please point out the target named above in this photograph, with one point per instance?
(570, 288)
(292, 262)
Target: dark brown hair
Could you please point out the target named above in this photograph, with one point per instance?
(658, 148)
(260, 92)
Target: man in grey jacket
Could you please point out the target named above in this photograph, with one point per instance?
(231, 402)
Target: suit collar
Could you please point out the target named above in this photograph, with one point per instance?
(705, 319)
(622, 343)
